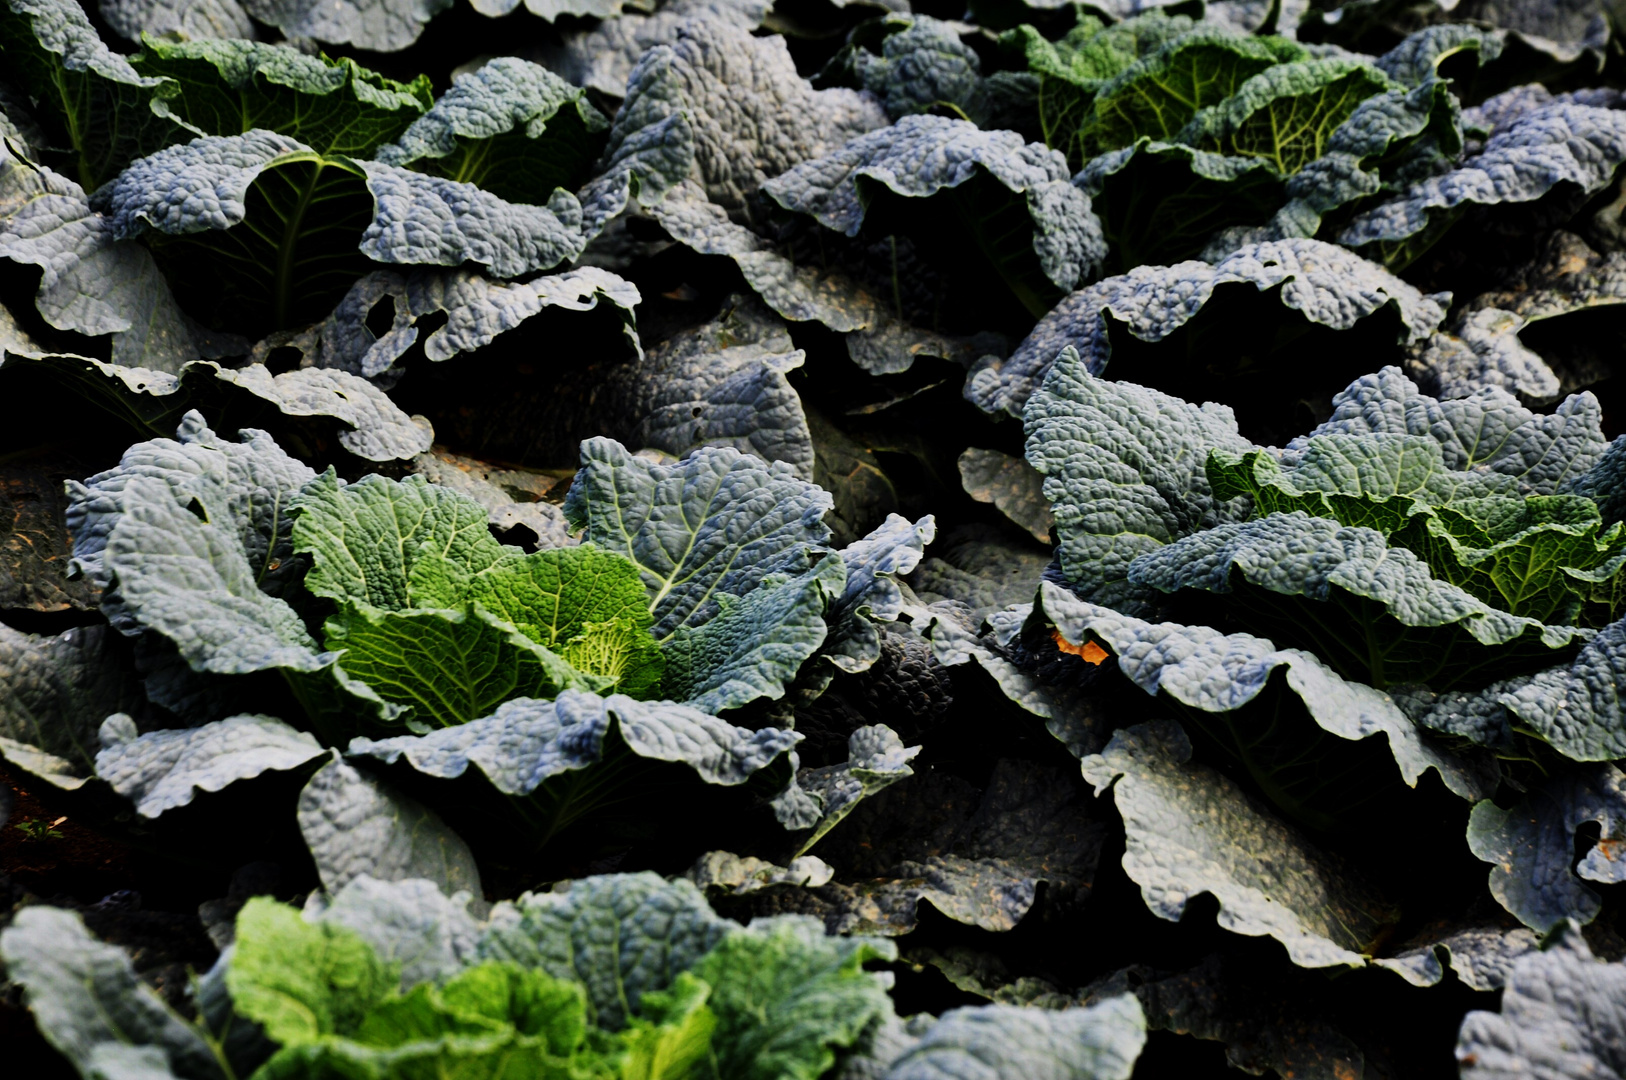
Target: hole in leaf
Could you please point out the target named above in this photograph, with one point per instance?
(381, 319)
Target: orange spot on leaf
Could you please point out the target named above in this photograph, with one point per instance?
(1090, 651)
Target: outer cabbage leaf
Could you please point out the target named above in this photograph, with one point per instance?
(526, 743)
(1101, 1042)
(1540, 557)
(1481, 953)
(263, 277)
(1487, 431)
(1323, 285)
(55, 691)
(1532, 846)
(754, 645)
(196, 19)
(976, 857)
(922, 65)
(716, 523)
(512, 498)
(621, 936)
(410, 924)
(90, 282)
(1303, 770)
(1561, 1015)
(1190, 830)
(1123, 469)
(90, 1004)
(1567, 278)
(603, 58)
(356, 827)
(721, 384)
(1577, 145)
(379, 27)
(1387, 619)
(233, 87)
(660, 160)
(840, 188)
(246, 486)
(103, 105)
(478, 311)
(166, 769)
(979, 568)
(677, 101)
(512, 127)
(1577, 707)
(1012, 485)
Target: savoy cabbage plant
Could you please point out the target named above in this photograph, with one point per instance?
(738, 539)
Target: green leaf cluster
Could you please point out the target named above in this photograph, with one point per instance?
(437, 616)
(1545, 557)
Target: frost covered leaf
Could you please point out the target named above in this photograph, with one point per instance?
(1010, 484)
(90, 1004)
(195, 19)
(1561, 1016)
(995, 169)
(603, 58)
(1481, 350)
(291, 264)
(621, 936)
(234, 87)
(1315, 284)
(871, 595)
(922, 65)
(512, 127)
(54, 694)
(165, 769)
(104, 104)
(90, 281)
(716, 523)
(1532, 846)
(382, 26)
(355, 825)
(526, 742)
(1101, 1042)
(1577, 145)
(1191, 830)
(1124, 471)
